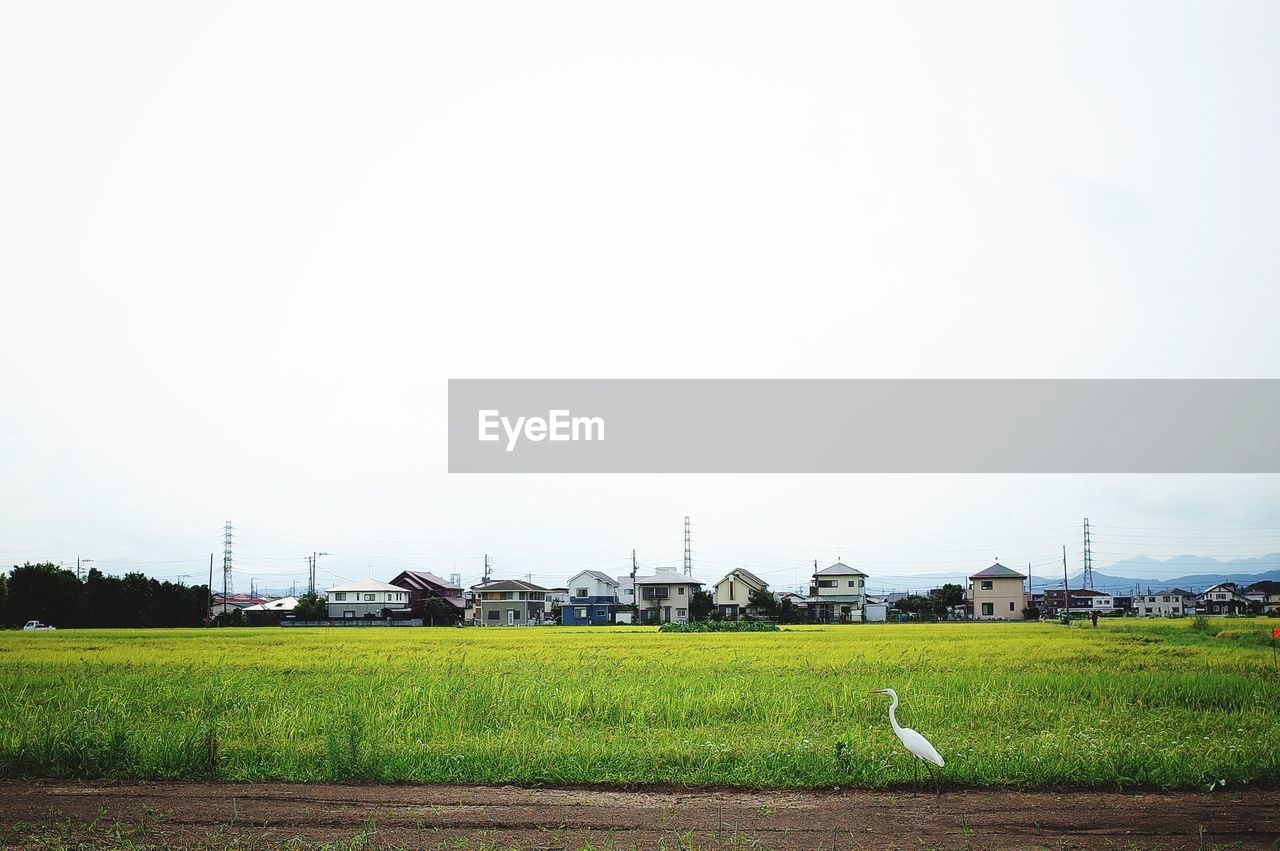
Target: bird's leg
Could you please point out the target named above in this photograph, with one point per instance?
(937, 782)
(915, 767)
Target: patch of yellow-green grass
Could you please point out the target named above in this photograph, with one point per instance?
(1131, 702)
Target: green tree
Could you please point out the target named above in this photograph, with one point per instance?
(701, 605)
(915, 604)
(311, 607)
(43, 592)
(436, 612)
(763, 601)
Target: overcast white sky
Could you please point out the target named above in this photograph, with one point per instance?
(243, 246)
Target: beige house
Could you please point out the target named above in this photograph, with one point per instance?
(664, 597)
(838, 594)
(998, 594)
(733, 593)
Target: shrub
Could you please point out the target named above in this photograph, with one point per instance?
(719, 626)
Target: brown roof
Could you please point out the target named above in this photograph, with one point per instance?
(420, 580)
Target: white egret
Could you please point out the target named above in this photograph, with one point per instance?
(911, 740)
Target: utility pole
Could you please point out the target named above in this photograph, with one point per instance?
(1031, 588)
(227, 584)
(485, 581)
(210, 588)
(1087, 577)
(688, 551)
(634, 595)
(1066, 592)
(312, 562)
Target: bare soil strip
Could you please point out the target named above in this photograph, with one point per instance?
(221, 815)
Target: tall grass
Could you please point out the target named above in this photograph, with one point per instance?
(1025, 704)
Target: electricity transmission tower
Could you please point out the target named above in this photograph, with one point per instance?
(1086, 580)
(227, 585)
(688, 550)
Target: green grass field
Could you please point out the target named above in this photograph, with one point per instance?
(1027, 704)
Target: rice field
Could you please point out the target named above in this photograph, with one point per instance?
(1030, 705)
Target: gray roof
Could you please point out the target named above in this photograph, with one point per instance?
(508, 585)
(595, 574)
(666, 578)
(998, 571)
(748, 574)
(840, 569)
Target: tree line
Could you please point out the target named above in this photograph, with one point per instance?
(56, 596)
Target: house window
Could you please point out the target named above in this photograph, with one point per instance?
(506, 595)
(681, 591)
(580, 592)
(1011, 606)
(493, 615)
(600, 613)
(986, 585)
(580, 613)
(988, 608)
(853, 583)
(348, 614)
(369, 598)
(340, 596)
(826, 583)
(680, 612)
(730, 589)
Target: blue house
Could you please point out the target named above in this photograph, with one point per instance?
(593, 599)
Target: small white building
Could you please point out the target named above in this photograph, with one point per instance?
(367, 597)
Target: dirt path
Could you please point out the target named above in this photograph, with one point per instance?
(221, 815)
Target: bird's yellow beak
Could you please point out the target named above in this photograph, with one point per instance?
(876, 691)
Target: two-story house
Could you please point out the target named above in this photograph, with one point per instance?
(593, 599)
(1081, 601)
(510, 602)
(838, 594)
(998, 593)
(367, 597)
(1170, 603)
(1225, 598)
(423, 586)
(665, 597)
(733, 593)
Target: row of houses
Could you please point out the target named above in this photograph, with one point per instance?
(837, 594)
(1000, 593)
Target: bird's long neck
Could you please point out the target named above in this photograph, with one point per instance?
(893, 718)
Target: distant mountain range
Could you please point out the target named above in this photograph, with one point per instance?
(1207, 571)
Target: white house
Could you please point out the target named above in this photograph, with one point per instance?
(366, 597)
(1170, 603)
(665, 596)
(733, 593)
(1225, 598)
(592, 599)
